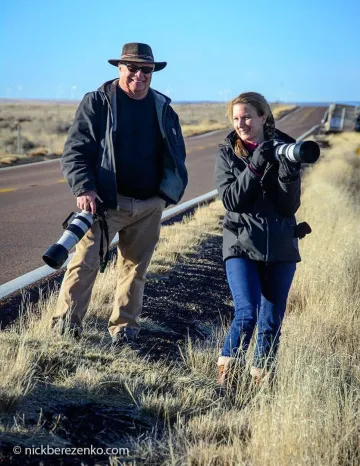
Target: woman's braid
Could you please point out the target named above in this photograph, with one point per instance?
(269, 127)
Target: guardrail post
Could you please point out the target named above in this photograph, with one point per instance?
(19, 145)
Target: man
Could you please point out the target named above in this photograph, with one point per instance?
(126, 150)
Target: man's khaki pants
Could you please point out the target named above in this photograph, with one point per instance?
(138, 225)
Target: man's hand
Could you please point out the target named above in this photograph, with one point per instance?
(86, 201)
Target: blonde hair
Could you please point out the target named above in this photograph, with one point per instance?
(262, 107)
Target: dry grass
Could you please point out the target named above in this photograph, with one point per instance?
(44, 126)
(309, 415)
(42, 371)
(280, 110)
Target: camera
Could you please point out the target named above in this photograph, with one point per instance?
(305, 151)
(75, 226)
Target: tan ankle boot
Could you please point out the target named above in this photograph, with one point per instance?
(224, 364)
(259, 376)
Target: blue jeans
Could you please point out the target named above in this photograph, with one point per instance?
(259, 291)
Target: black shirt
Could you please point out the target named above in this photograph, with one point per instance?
(139, 147)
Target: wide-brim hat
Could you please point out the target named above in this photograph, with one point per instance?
(135, 52)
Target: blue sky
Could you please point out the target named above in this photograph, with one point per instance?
(292, 51)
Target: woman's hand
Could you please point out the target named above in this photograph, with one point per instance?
(263, 154)
(288, 171)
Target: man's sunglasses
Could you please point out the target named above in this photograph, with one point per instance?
(136, 68)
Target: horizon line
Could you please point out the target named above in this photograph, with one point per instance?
(76, 101)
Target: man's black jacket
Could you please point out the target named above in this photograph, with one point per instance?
(88, 160)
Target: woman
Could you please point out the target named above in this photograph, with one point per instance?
(260, 196)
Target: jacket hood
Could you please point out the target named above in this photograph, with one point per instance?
(279, 135)
(110, 86)
(106, 87)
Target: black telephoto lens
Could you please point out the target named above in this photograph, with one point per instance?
(305, 152)
(58, 253)
(55, 256)
(308, 151)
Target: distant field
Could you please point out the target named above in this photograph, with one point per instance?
(201, 118)
(44, 126)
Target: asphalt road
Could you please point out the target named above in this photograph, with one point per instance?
(35, 199)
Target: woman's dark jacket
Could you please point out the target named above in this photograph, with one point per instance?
(259, 220)
(88, 160)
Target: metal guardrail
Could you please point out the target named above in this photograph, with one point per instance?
(30, 278)
(338, 118)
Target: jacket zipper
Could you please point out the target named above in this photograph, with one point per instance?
(240, 158)
(265, 219)
(267, 239)
(110, 137)
(267, 224)
(163, 116)
(167, 143)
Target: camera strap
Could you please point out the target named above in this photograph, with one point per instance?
(104, 231)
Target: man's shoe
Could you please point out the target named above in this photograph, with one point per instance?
(124, 335)
(131, 334)
(62, 327)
